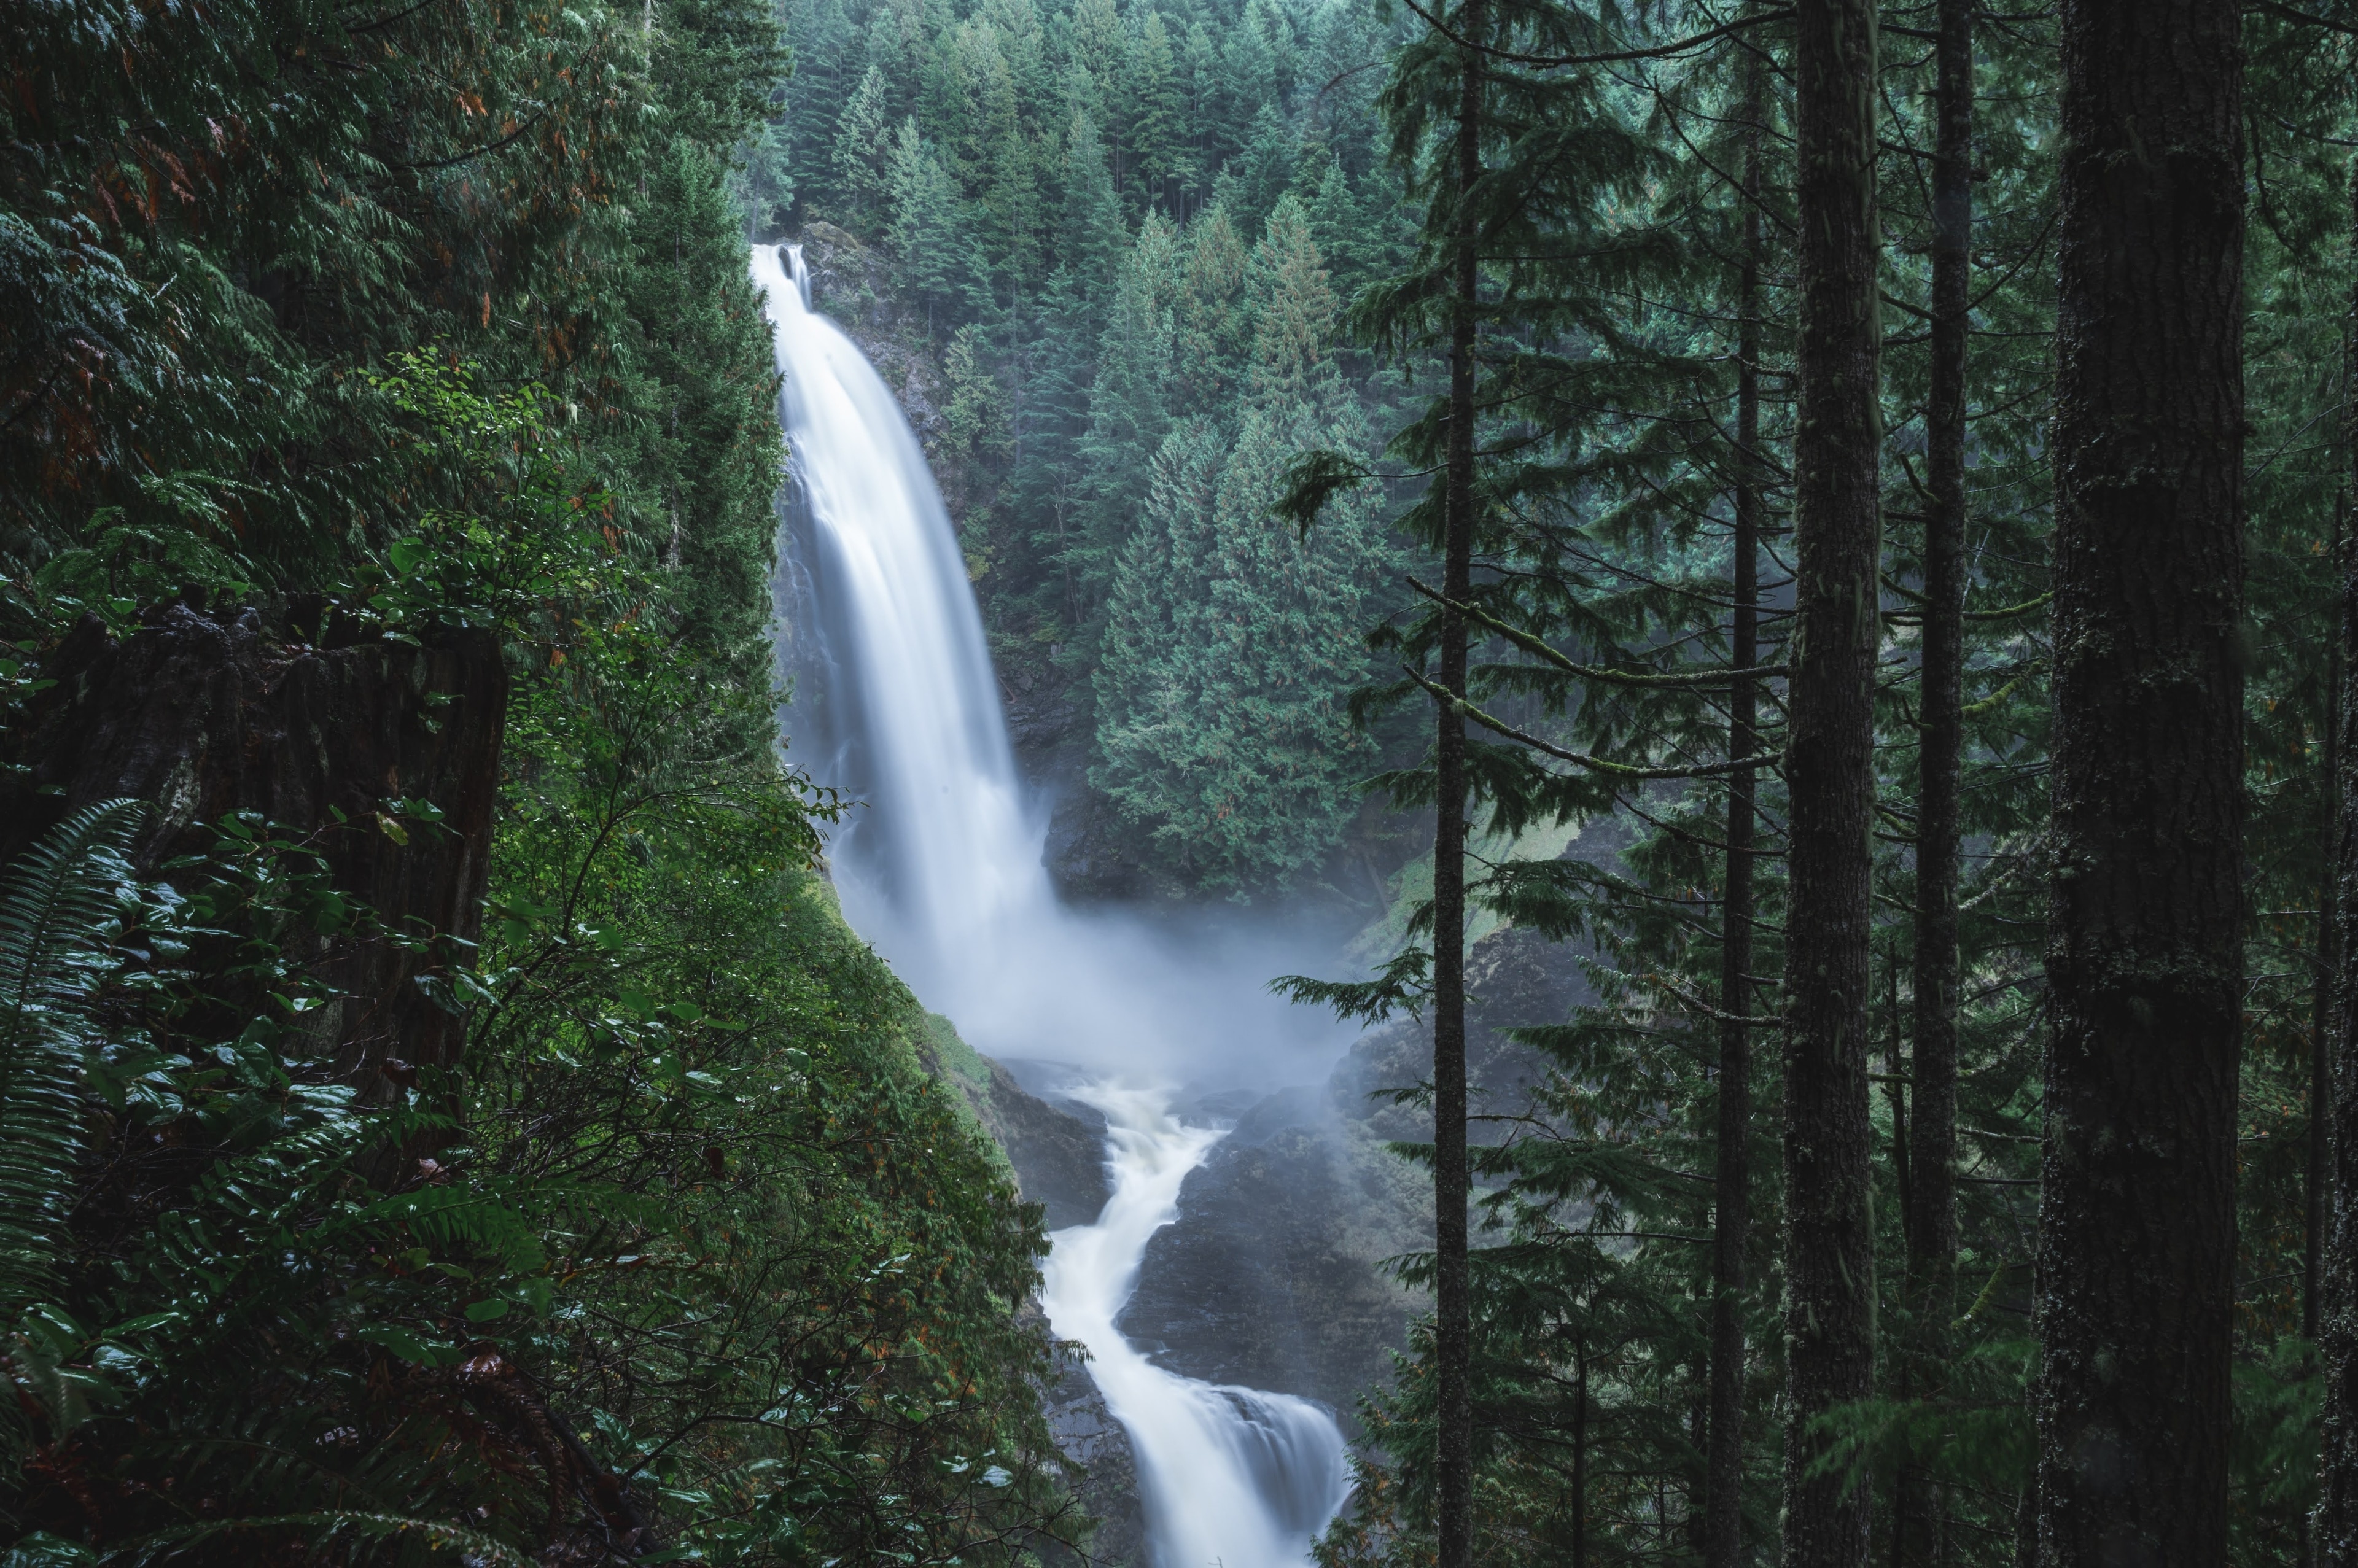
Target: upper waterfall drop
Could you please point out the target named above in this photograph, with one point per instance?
(939, 866)
(943, 856)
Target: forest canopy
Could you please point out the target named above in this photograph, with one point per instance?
(1886, 469)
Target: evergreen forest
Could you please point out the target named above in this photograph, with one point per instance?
(1833, 517)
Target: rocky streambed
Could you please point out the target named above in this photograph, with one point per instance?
(1274, 1276)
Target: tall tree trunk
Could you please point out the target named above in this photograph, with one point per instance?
(1732, 1175)
(1829, 763)
(204, 715)
(2318, 1187)
(2337, 1509)
(2317, 1196)
(1932, 1220)
(1580, 1458)
(2136, 1244)
(1453, 1284)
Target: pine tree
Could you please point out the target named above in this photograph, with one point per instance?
(925, 227)
(2336, 1521)
(1010, 164)
(1264, 171)
(1732, 1207)
(1199, 66)
(1214, 326)
(1158, 128)
(1130, 400)
(1091, 238)
(1232, 641)
(1452, 1182)
(1930, 1223)
(1096, 45)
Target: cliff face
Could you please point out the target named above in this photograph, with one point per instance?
(383, 756)
(1057, 1151)
(1272, 1276)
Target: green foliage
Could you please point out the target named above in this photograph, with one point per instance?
(1232, 641)
(56, 912)
(810, 1347)
(393, 327)
(863, 142)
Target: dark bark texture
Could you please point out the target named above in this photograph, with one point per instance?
(1930, 1190)
(2316, 1187)
(2136, 1245)
(2336, 1524)
(1452, 1282)
(1837, 538)
(204, 716)
(1723, 1541)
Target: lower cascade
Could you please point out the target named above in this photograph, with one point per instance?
(942, 871)
(1233, 1475)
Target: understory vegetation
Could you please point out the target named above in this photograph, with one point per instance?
(354, 328)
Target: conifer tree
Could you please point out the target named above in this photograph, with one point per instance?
(1262, 172)
(1097, 49)
(1158, 134)
(863, 147)
(1232, 641)
(1453, 1283)
(1930, 1223)
(1130, 398)
(1723, 1534)
(1091, 237)
(1829, 775)
(925, 227)
(2336, 1521)
(2138, 1242)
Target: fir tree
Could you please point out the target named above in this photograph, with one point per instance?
(1231, 645)
(936, 265)
(1090, 237)
(1129, 399)
(1158, 128)
(1214, 328)
(863, 147)
(2138, 1235)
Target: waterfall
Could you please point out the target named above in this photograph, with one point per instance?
(1232, 1476)
(940, 868)
(943, 854)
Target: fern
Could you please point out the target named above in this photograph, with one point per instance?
(57, 914)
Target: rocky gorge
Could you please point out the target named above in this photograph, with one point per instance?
(1274, 1276)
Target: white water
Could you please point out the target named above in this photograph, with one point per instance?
(1232, 1476)
(942, 870)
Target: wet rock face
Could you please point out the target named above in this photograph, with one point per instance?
(1050, 725)
(1273, 1274)
(1101, 1473)
(1057, 1150)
